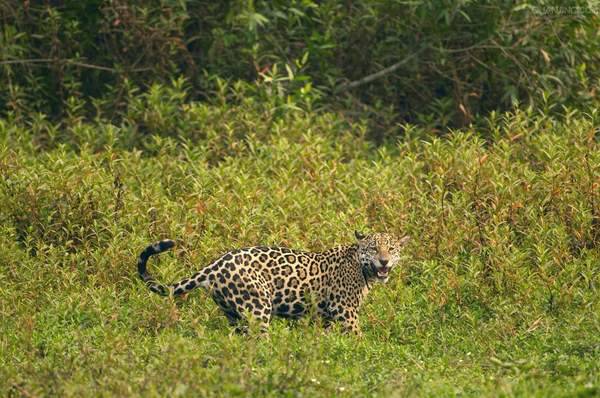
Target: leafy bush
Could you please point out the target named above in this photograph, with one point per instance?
(471, 126)
(453, 60)
(499, 288)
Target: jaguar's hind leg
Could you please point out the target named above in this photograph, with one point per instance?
(259, 310)
(249, 306)
(233, 317)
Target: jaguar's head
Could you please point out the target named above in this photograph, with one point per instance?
(378, 253)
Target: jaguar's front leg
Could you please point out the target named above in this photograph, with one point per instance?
(349, 321)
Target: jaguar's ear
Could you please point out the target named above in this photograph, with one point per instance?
(359, 235)
(404, 240)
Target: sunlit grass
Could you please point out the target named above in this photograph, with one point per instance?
(498, 294)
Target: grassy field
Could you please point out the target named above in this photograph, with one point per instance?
(498, 295)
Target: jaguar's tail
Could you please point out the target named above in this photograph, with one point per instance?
(185, 285)
(151, 250)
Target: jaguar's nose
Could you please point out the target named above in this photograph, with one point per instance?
(383, 261)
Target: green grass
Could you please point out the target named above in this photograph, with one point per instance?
(498, 295)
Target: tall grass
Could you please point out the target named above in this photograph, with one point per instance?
(498, 294)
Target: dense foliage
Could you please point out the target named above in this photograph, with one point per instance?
(498, 294)
(233, 123)
(458, 59)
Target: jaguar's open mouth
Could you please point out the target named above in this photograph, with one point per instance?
(383, 272)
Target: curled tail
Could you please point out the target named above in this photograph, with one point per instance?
(151, 250)
(185, 285)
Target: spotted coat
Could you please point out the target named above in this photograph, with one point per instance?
(264, 281)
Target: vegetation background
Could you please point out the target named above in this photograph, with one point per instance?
(472, 126)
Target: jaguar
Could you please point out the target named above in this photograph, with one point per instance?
(261, 282)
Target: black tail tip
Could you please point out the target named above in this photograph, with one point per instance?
(166, 244)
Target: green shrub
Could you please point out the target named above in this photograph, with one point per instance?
(462, 59)
(498, 293)
(229, 124)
